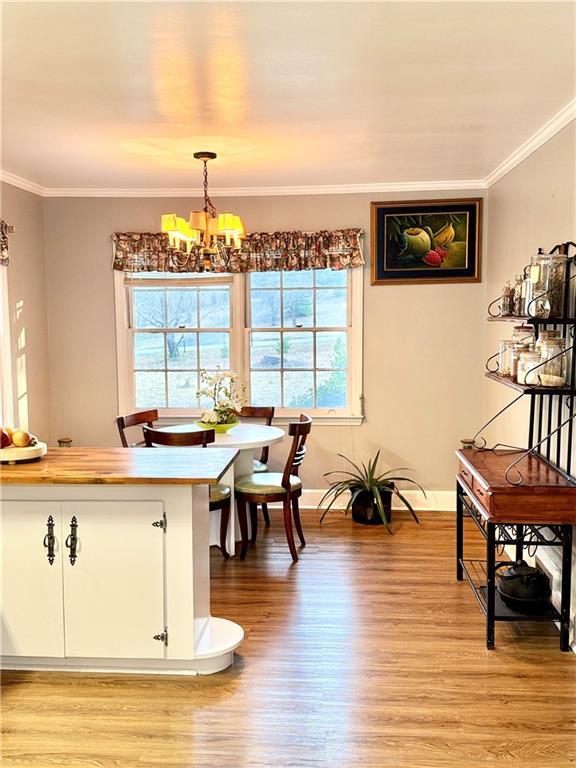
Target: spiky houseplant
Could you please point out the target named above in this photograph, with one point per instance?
(368, 490)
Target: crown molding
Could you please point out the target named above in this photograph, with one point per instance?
(326, 189)
(560, 120)
(18, 181)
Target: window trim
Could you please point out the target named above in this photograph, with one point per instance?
(239, 353)
(6, 370)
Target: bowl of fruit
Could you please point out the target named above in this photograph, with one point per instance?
(20, 445)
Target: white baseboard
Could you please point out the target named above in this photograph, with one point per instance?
(438, 501)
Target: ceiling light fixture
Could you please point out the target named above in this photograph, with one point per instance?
(204, 228)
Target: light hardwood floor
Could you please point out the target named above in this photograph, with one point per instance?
(367, 653)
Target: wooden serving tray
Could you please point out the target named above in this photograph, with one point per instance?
(13, 455)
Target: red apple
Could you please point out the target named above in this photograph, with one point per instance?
(5, 437)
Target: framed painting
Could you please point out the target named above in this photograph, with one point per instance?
(426, 241)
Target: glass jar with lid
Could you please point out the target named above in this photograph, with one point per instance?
(505, 357)
(553, 370)
(523, 334)
(517, 349)
(547, 275)
(544, 334)
(528, 367)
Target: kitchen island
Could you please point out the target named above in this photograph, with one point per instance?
(105, 562)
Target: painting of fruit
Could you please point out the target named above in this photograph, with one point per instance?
(426, 241)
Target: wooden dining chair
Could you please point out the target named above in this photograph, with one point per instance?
(267, 487)
(262, 414)
(134, 420)
(220, 494)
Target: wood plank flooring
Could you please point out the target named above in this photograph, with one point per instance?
(365, 654)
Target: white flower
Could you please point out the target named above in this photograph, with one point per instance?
(209, 417)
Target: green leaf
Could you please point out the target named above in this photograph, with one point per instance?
(407, 503)
(380, 507)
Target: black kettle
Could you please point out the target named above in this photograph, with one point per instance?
(523, 588)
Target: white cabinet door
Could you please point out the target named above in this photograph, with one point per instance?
(114, 592)
(32, 611)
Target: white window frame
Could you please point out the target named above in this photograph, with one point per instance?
(6, 373)
(240, 352)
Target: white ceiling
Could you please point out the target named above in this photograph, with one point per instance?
(119, 95)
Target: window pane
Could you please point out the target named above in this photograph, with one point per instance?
(150, 392)
(265, 350)
(149, 350)
(298, 350)
(326, 278)
(265, 388)
(331, 307)
(265, 280)
(181, 348)
(214, 308)
(299, 389)
(182, 308)
(265, 309)
(331, 350)
(148, 308)
(297, 279)
(331, 389)
(214, 350)
(182, 388)
(297, 309)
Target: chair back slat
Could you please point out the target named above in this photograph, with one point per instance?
(202, 437)
(298, 431)
(134, 420)
(263, 413)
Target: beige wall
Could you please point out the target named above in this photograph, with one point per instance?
(532, 206)
(422, 344)
(27, 297)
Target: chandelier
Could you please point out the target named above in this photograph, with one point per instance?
(206, 229)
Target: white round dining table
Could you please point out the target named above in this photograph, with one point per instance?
(246, 438)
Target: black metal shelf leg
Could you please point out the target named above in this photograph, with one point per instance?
(566, 587)
(459, 533)
(490, 583)
(519, 542)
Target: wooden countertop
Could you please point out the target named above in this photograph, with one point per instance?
(123, 466)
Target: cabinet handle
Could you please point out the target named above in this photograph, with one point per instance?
(72, 540)
(49, 539)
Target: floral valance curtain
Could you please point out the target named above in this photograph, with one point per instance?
(4, 247)
(260, 252)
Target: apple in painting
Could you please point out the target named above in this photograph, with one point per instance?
(5, 437)
(21, 438)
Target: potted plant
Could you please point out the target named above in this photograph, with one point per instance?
(370, 493)
(227, 394)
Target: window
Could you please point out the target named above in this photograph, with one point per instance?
(294, 336)
(299, 339)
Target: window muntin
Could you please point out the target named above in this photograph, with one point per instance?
(299, 341)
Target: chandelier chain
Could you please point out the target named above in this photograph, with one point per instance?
(208, 205)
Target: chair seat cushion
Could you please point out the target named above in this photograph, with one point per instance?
(257, 466)
(264, 483)
(219, 492)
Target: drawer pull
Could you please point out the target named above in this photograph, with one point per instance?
(72, 540)
(49, 539)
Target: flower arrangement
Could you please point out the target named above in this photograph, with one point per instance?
(227, 393)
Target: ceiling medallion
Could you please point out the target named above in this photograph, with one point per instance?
(207, 229)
